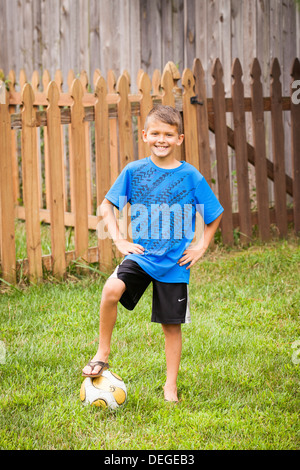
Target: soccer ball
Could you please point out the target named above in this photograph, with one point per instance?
(106, 391)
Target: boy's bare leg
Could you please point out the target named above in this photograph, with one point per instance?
(173, 346)
(111, 294)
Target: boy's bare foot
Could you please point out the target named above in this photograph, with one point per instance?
(170, 394)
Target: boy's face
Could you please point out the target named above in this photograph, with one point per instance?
(162, 138)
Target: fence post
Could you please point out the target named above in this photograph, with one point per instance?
(56, 193)
(221, 151)
(278, 149)
(102, 166)
(295, 124)
(260, 160)
(7, 221)
(240, 142)
(79, 172)
(31, 185)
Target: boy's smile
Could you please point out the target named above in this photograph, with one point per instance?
(162, 139)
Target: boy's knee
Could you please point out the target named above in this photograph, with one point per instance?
(113, 290)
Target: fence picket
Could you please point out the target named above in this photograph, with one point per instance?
(190, 119)
(260, 152)
(168, 99)
(59, 82)
(240, 140)
(46, 80)
(14, 156)
(113, 131)
(56, 196)
(85, 83)
(221, 151)
(125, 123)
(146, 105)
(79, 172)
(31, 184)
(102, 165)
(278, 149)
(7, 221)
(71, 78)
(202, 121)
(295, 125)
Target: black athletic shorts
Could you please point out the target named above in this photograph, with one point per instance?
(170, 301)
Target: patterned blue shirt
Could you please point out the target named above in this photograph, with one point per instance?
(164, 203)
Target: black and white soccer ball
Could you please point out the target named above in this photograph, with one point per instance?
(106, 391)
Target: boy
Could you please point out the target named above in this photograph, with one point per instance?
(164, 194)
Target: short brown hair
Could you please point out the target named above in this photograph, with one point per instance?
(166, 114)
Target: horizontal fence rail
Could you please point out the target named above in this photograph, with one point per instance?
(60, 153)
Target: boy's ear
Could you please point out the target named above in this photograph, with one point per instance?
(180, 139)
(144, 134)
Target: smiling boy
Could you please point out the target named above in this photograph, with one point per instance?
(164, 195)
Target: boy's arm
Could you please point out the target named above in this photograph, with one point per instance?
(194, 253)
(123, 245)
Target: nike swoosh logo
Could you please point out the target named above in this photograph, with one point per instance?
(181, 300)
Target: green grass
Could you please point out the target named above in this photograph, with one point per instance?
(238, 382)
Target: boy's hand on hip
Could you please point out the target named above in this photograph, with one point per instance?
(127, 248)
(191, 255)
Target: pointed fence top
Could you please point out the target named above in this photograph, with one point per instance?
(275, 69)
(255, 71)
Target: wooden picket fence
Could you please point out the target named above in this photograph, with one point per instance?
(55, 128)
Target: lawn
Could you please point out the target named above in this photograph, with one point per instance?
(239, 377)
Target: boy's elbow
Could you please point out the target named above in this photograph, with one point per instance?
(104, 207)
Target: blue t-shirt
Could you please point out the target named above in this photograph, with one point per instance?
(163, 212)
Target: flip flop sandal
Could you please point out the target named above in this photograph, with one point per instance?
(93, 364)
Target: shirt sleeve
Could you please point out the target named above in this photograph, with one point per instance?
(120, 192)
(207, 203)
